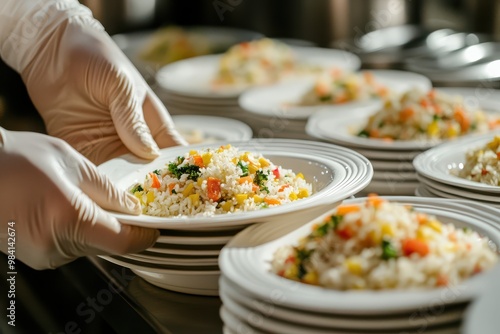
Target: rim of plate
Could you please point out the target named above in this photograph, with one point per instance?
(253, 276)
(356, 169)
(436, 163)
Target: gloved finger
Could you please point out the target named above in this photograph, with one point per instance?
(160, 123)
(126, 112)
(101, 190)
(96, 232)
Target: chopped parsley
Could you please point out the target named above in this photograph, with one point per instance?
(388, 250)
(364, 134)
(157, 172)
(136, 188)
(436, 117)
(328, 226)
(244, 168)
(260, 179)
(192, 171)
(302, 255)
(325, 98)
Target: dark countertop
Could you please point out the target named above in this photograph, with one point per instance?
(91, 295)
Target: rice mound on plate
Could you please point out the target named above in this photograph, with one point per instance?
(383, 245)
(426, 116)
(218, 181)
(483, 164)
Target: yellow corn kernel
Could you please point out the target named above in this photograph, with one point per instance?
(353, 266)
(206, 157)
(493, 145)
(199, 181)
(387, 229)
(138, 194)
(303, 193)
(310, 278)
(241, 198)
(424, 233)
(300, 176)
(433, 129)
(375, 237)
(291, 272)
(258, 199)
(195, 199)
(187, 190)
(244, 157)
(150, 196)
(234, 160)
(227, 206)
(223, 147)
(453, 131)
(193, 152)
(264, 162)
(435, 225)
(252, 168)
(293, 196)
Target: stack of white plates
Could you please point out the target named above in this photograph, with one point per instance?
(185, 256)
(437, 166)
(394, 173)
(255, 300)
(186, 87)
(280, 103)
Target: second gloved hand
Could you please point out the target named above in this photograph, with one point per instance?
(90, 94)
(54, 198)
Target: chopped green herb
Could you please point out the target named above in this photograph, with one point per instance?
(325, 98)
(328, 226)
(381, 124)
(436, 117)
(260, 179)
(136, 188)
(192, 171)
(364, 133)
(388, 250)
(467, 230)
(473, 126)
(173, 191)
(157, 172)
(244, 168)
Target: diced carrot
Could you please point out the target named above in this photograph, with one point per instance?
(368, 77)
(156, 182)
(425, 103)
(344, 209)
(271, 201)
(345, 233)
(406, 114)
(321, 89)
(245, 179)
(498, 155)
(484, 171)
(468, 246)
(437, 110)
(255, 187)
(374, 201)
(494, 123)
(335, 72)
(213, 188)
(422, 218)
(382, 91)
(452, 236)
(374, 133)
(432, 94)
(171, 187)
(341, 98)
(442, 280)
(198, 161)
(477, 269)
(290, 259)
(462, 118)
(388, 139)
(283, 187)
(411, 246)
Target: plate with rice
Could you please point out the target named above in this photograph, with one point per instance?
(370, 256)
(239, 183)
(470, 163)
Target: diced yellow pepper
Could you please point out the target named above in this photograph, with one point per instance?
(453, 131)
(199, 181)
(258, 199)
(291, 272)
(310, 278)
(354, 266)
(435, 225)
(241, 198)
(375, 237)
(188, 189)
(300, 176)
(493, 145)
(234, 161)
(303, 193)
(193, 152)
(252, 167)
(264, 162)
(244, 157)
(207, 157)
(433, 129)
(424, 233)
(195, 199)
(387, 229)
(227, 206)
(150, 197)
(293, 196)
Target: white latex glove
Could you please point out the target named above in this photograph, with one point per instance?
(86, 90)
(55, 198)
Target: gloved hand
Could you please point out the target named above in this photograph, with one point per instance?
(89, 94)
(55, 198)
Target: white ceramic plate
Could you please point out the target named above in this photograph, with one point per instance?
(435, 164)
(482, 316)
(395, 322)
(248, 267)
(205, 129)
(282, 99)
(194, 76)
(335, 173)
(341, 128)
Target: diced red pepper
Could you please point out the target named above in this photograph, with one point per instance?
(484, 172)
(345, 233)
(213, 189)
(276, 173)
(411, 246)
